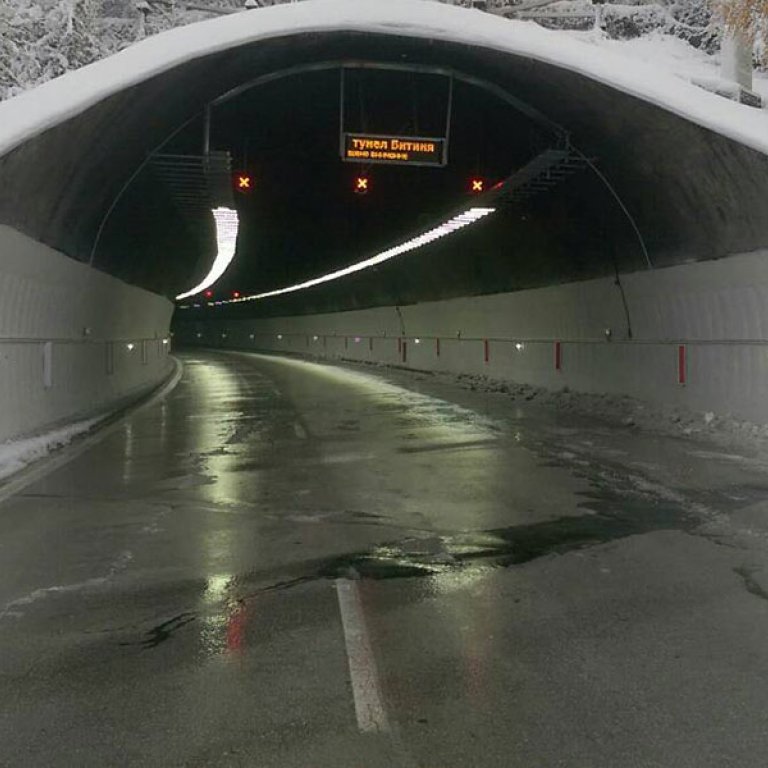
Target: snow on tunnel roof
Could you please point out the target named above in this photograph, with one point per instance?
(41, 108)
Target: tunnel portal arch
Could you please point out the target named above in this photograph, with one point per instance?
(692, 184)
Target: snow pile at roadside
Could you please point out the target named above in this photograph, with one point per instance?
(17, 454)
(626, 411)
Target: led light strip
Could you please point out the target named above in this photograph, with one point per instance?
(446, 228)
(227, 225)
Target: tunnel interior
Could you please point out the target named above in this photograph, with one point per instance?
(499, 500)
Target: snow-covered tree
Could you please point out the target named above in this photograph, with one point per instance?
(748, 18)
(41, 39)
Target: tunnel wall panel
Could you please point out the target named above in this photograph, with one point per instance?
(65, 331)
(716, 311)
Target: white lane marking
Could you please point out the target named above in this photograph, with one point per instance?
(44, 467)
(366, 689)
(301, 433)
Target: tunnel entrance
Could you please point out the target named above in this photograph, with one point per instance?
(603, 188)
(457, 439)
(277, 166)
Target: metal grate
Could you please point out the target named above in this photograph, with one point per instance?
(197, 183)
(542, 173)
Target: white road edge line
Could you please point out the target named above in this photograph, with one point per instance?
(366, 688)
(45, 466)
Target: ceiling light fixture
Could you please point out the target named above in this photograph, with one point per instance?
(446, 228)
(227, 224)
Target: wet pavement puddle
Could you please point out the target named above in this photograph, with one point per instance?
(611, 514)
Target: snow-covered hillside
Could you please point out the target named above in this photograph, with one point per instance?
(671, 54)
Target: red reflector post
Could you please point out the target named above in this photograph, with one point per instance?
(682, 365)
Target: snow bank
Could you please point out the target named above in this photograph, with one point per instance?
(671, 54)
(17, 454)
(656, 49)
(41, 108)
(626, 411)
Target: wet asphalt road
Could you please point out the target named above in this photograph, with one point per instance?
(291, 564)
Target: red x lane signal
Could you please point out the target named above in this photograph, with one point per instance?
(244, 183)
(477, 186)
(362, 185)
